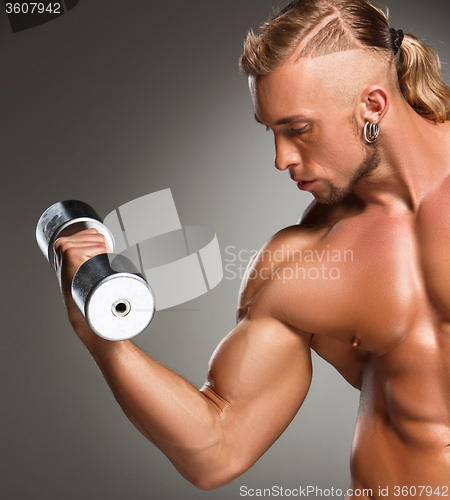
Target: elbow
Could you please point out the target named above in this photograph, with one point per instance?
(216, 476)
(209, 482)
(206, 484)
(213, 461)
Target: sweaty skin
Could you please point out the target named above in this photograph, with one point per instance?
(361, 279)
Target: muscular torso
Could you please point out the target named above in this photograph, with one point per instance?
(372, 289)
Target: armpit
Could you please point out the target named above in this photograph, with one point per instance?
(347, 360)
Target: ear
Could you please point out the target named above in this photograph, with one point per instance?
(374, 103)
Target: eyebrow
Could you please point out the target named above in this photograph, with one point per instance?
(283, 121)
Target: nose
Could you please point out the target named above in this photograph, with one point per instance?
(286, 154)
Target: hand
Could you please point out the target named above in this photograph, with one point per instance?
(72, 251)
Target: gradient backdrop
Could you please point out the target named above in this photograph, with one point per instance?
(112, 101)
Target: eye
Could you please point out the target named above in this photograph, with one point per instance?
(298, 131)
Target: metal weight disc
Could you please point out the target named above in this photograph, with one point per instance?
(64, 219)
(120, 307)
(116, 301)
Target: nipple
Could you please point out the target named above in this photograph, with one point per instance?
(356, 342)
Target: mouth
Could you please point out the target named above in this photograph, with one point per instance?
(305, 185)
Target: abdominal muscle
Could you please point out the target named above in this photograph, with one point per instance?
(383, 466)
(401, 444)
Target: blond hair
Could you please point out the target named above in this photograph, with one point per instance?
(319, 27)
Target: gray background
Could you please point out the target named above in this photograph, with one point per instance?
(114, 100)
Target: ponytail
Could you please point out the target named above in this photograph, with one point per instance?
(420, 79)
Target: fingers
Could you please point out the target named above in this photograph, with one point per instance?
(74, 250)
(87, 238)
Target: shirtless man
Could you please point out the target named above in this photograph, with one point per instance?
(377, 160)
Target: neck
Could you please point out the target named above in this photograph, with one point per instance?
(414, 155)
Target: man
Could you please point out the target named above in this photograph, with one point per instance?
(359, 119)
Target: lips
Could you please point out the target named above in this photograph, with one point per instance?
(305, 185)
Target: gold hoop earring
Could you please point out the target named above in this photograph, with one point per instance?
(371, 132)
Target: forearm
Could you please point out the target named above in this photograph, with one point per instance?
(172, 413)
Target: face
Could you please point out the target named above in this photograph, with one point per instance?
(313, 117)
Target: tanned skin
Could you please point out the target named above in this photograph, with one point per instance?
(384, 323)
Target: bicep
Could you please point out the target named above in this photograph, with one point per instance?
(258, 378)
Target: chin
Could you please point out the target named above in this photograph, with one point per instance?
(335, 196)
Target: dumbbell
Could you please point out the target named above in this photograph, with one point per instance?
(110, 292)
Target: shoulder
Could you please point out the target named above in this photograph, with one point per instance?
(291, 267)
(269, 269)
